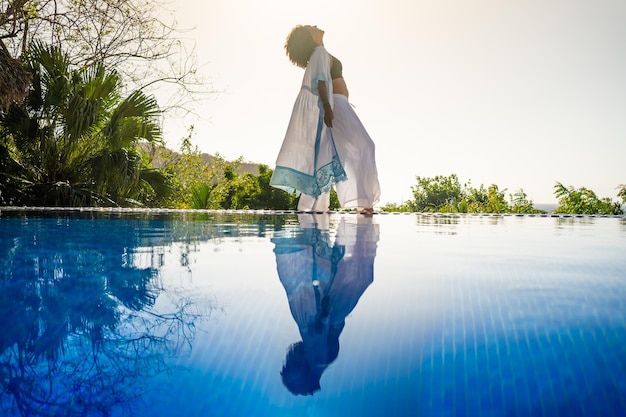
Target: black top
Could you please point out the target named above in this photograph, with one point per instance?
(336, 68)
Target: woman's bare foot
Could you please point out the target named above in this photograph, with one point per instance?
(367, 212)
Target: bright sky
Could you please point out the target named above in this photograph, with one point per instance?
(520, 93)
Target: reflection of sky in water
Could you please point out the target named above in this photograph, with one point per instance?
(459, 315)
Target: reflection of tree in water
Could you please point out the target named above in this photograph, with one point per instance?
(79, 330)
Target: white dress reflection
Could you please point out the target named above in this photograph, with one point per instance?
(323, 282)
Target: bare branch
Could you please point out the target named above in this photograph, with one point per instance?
(139, 38)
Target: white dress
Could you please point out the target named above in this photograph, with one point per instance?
(357, 154)
(308, 162)
(314, 157)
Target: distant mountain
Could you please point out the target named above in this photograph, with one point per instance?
(206, 158)
(244, 167)
(548, 208)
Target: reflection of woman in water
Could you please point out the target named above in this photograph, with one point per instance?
(323, 283)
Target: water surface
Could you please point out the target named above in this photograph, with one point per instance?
(220, 314)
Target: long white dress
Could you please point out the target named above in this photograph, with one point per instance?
(314, 157)
(357, 154)
(308, 162)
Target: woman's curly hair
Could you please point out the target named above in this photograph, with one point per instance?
(299, 46)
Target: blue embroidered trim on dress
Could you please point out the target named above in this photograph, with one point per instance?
(322, 180)
(314, 185)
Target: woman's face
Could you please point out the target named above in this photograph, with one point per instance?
(317, 34)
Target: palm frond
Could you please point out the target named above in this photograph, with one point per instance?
(136, 117)
(53, 69)
(201, 196)
(158, 181)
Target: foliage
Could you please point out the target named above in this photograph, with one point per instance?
(73, 141)
(436, 194)
(217, 184)
(234, 190)
(186, 170)
(491, 200)
(622, 193)
(585, 201)
(395, 208)
(447, 195)
(270, 197)
(521, 204)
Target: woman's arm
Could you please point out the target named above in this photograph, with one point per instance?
(328, 111)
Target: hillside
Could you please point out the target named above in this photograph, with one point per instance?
(244, 167)
(159, 162)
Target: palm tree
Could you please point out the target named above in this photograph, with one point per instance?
(74, 140)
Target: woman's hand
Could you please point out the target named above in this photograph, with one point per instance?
(328, 116)
(328, 110)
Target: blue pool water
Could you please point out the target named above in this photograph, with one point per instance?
(255, 314)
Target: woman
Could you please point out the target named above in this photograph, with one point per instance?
(326, 143)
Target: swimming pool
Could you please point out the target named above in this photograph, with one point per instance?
(263, 314)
